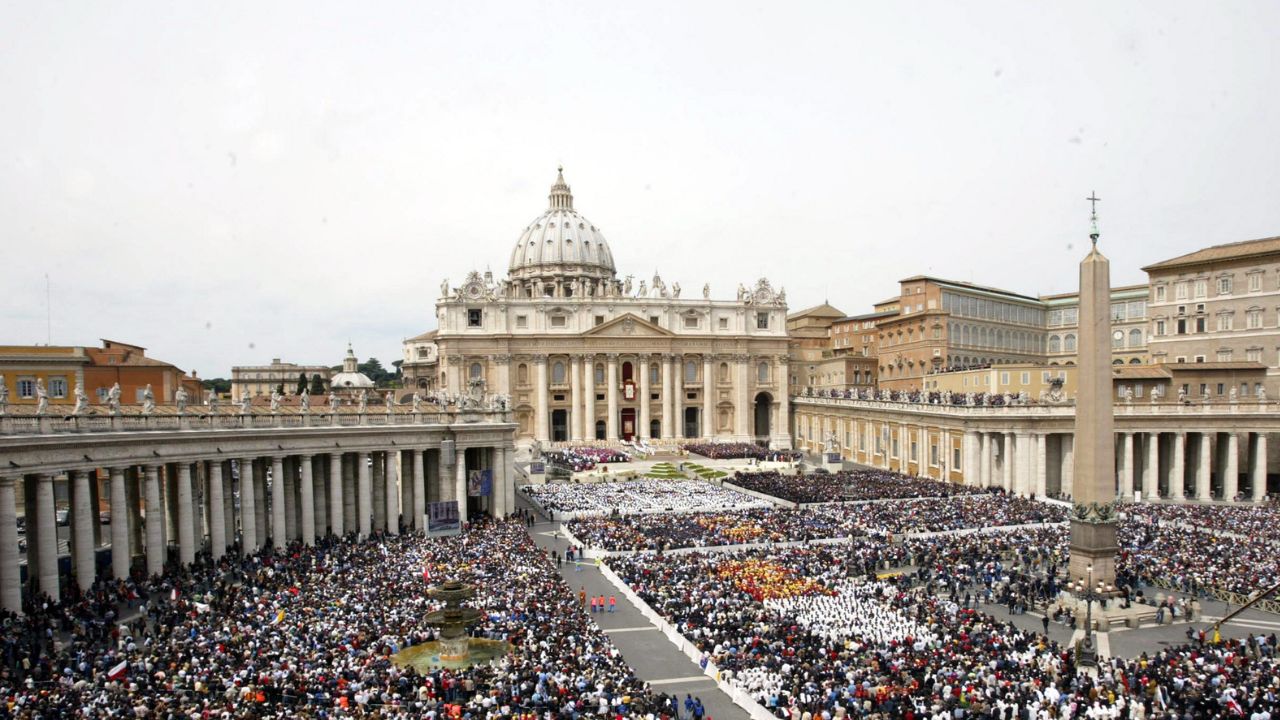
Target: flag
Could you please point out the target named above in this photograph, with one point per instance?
(279, 617)
(117, 672)
(173, 595)
(426, 573)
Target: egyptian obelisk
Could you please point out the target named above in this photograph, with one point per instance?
(1093, 514)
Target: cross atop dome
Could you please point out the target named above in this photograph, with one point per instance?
(561, 198)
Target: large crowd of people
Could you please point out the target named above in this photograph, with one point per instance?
(583, 459)
(740, 451)
(311, 632)
(846, 485)
(808, 631)
(1258, 522)
(644, 495)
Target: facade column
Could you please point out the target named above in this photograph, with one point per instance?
(708, 397)
(509, 486)
(120, 519)
(1151, 467)
(1204, 463)
(1231, 468)
(448, 450)
(364, 496)
(155, 521)
(642, 432)
(969, 454)
(10, 584)
(541, 401)
(420, 490)
(1022, 464)
(677, 396)
(292, 502)
(984, 460)
(336, 526)
(279, 528)
(217, 520)
(1258, 475)
(47, 550)
(1178, 466)
(186, 517)
(1008, 464)
(378, 480)
(575, 396)
(741, 399)
(248, 516)
(320, 473)
(392, 495)
(350, 494)
(460, 483)
(611, 395)
(260, 518)
(668, 397)
(784, 409)
(81, 530)
(308, 491)
(1068, 465)
(1127, 461)
(589, 397)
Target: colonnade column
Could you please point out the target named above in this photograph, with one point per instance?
(1178, 466)
(784, 409)
(420, 490)
(217, 520)
(1258, 474)
(575, 396)
(589, 397)
(81, 529)
(393, 494)
(155, 520)
(279, 528)
(1007, 454)
(611, 395)
(1127, 461)
(1204, 465)
(541, 402)
(644, 398)
(460, 483)
(1231, 468)
(668, 397)
(10, 584)
(248, 528)
(119, 524)
(1151, 468)
(708, 397)
(969, 455)
(186, 518)
(1068, 464)
(677, 396)
(364, 495)
(984, 460)
(448, 452)
(336, 525)
(308, 493)
(1042, 465)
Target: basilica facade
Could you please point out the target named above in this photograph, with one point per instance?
(585, 355)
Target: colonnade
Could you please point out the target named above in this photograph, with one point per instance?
(168, 512)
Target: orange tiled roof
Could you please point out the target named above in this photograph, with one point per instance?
(1228, 251)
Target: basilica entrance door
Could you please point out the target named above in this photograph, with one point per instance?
(559, 425)
(628, 424)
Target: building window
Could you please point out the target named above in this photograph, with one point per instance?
(724, 373)
(522, 321)
(102, 395)
(653, 319)
(654, 379)
(522, 374)
(1069, 343)
(1224, 322)
(1204, 389)
(599, 320)
(599, 374)
(1182, 326)
(1199, 358)
(1202, 288)
(1160, 293)
(1135, 338)
(1224, 286)
(1253, 318)
(762, 321)
(1004, 378)
(1255, 282)
(1253, 354)
(475, 371)
(1224, 356)
(557, 373)
(1026, 378)
(474, 317)
(691, 372)
(1200, 325)
(724, 323)
(762, 372)
(57, 387)
(691, 322)
(559, 321)
(1159, 327)
(26, 387)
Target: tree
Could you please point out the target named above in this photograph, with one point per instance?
(302, 384)
(217, 385)
(373, 368)
(399, 370)
(317, 384)
(280, 389)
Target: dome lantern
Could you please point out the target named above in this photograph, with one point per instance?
(561, 244)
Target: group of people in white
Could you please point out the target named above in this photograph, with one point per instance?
(639, 496)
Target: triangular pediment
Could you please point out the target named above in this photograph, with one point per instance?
(628, 326)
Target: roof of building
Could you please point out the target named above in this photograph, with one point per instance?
(961, 285)
(1202, 366)
(1139, 372)
(1075, 296)
(1216, 253)
(561, 240)
(825, 310)
(868, 316)
(429, 335)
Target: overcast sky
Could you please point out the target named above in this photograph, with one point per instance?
(274, 179)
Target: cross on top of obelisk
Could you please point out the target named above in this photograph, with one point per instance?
(1093, 216)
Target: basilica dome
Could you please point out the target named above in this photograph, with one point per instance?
(561, 243)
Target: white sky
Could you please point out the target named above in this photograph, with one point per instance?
(277, 178)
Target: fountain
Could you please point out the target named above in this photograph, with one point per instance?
(455, 649)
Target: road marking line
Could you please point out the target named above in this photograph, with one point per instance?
(629, 629)
(680, 680)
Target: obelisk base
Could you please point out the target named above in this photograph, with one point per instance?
(1093, 545)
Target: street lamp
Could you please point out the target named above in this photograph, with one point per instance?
(1087, 649)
